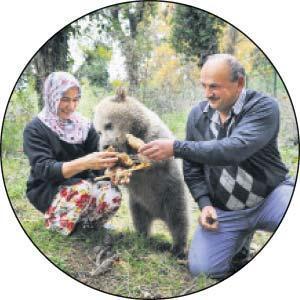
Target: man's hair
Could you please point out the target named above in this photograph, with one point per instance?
(237, 70)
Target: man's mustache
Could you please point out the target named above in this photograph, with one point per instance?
(212, 98)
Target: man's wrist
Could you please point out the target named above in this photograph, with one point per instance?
(176, 148)
(203, 201)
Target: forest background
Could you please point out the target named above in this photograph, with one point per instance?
(156, 50)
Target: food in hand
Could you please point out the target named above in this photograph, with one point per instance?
(134, 142)
(126, 165)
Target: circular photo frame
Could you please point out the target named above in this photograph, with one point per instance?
(150, 81)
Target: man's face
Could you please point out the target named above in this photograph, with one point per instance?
(68, 103)
(219, 90)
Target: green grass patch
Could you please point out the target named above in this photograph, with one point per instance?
(290, 157)
(176, 122)
(55, 246)
(146, 270)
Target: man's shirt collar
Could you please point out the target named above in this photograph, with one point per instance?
(214, 115)
(238, 105)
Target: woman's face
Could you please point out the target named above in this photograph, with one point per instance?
(68, 103)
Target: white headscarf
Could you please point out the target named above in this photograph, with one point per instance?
(76, 128)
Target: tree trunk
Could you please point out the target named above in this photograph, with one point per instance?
(232, 36)
(53, 56)
(128, 42)
(132, 60)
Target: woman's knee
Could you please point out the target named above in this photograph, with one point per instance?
(84, 186)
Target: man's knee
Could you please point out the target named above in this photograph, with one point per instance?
(274, 208)
(197, 267)
(207, 265)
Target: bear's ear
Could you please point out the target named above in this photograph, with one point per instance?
(139, 129)
(120, 94)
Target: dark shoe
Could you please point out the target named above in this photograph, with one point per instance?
(243, 256)
(239, 261)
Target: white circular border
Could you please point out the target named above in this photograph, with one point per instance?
(26, 25)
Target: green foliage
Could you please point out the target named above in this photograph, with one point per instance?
(262, 75)
(22, 106)
(91, 95)
(128, 24)
(290, 156)
(176, 122)
(118, 83)
(95, 66)
(15, 173)
(195, 33)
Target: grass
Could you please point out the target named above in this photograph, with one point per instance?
(142, 271)
(15, 170)
(53, 245)
(176, 121)
(290, 157)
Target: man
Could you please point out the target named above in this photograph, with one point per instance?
(232, 166)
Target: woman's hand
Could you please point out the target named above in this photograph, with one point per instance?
(100, 160)
(93, 161)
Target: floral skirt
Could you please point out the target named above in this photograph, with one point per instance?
(84, 202)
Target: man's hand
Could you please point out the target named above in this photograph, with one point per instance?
(158, 150)
(208, 218)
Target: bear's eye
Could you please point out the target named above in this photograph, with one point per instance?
(108, 126)
(99, 132)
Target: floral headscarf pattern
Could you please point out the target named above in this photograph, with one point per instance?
(75, 129)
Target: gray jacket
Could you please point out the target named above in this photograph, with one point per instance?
(240, 169)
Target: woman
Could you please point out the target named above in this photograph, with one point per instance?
(62, 149)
